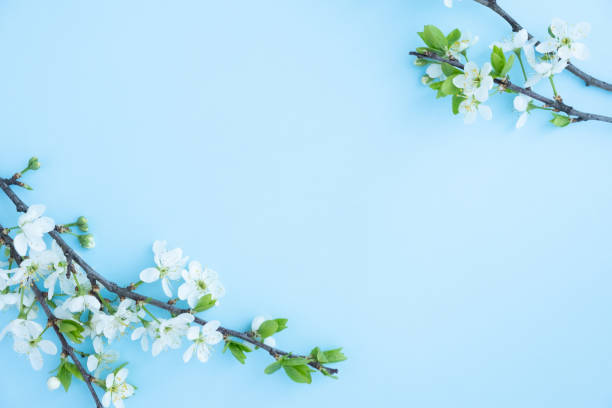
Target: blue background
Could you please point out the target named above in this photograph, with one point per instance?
(291, 146)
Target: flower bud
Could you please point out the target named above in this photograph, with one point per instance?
(53, 383)
(426, 79)
(33, 164)
(420, 62)
(87, 241)
(82, 224)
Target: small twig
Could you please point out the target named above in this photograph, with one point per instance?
(127, 293)
(588, 79)
(41, 298)
(556, 104)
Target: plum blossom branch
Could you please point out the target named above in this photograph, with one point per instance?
(557, 105)
(52, 320)
(129, 293)
(589, 80)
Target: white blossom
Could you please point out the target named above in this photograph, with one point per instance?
(96, 361)
(32, 228)
(27, 340)
(170, 332)
(144, 333)
(117, 323)
(474, 81)
(448, 3)
(456, 49)
(564, 40)
(202, 339)
(36, 266)
(471, 107)
(543, 69)
(198, 283)
(58, 268)
(117, 389)
(516, 42)
(170, 265)
(521, 104)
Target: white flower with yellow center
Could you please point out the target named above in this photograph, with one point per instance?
(28, 340)
(202, 338)
(32, 227)
(565, 39)
(170, 265)
(170, 332)
(471, 107)
(456, 49)
(474, 81)
(198, 283)
(117, 389)
(516, 42)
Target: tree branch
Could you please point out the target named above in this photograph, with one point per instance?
(557, 105)
(588, 79)
(122, 292)
(40, 297)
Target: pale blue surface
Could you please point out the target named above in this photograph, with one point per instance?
(290, 146)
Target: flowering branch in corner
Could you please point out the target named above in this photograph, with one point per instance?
(470, 85)
(88, 306)
(589, 80)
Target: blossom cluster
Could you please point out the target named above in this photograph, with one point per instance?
(84, 314)
(88, 313)
(471, 86)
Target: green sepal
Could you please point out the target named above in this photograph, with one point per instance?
(560, 120)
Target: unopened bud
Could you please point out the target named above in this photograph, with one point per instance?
(87, 241)
(426, 79)
(53, 383)
(82, 224)
(420, 62)
(33, 164)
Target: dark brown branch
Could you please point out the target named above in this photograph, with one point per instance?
(555, 104)
(122, 292)
(588, 79)
(41, 298)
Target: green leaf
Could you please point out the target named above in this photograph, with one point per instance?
(560, 120)
(299, 374)
(272, 368)
(74, 370)
(434, 38)
(281, 323)
(331, 356)
(237, 352)
(267, 328)
(205, 303)
(508, 66)
(294, 361)
(498, 59)
(456, 102)
(436, 85)
(453, 37)
(72, 330)
(65, 376)
(449, 70)
(448, 87)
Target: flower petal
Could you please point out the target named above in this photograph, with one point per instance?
(149, 275)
